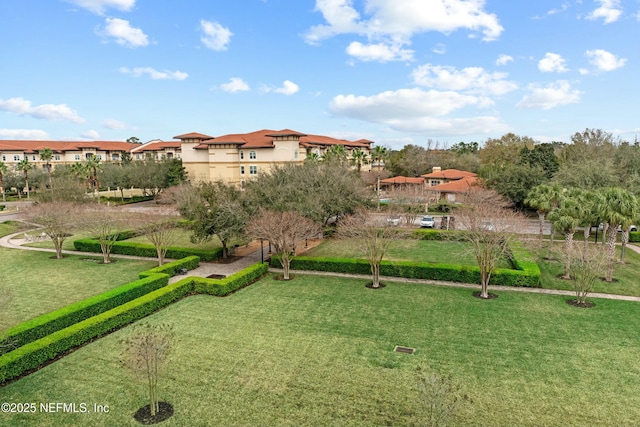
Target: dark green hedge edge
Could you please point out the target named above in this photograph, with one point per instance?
(48, 323)
(34, 354)
(526, 274)
(146, 250)
(634, 236)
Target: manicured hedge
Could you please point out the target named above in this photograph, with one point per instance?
(223, 287)
(527, 273)
(33, 354)
(173, 268)
(48, 323)
(634, 236)
(146, 250)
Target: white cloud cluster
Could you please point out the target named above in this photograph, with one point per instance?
(154, 74)
(504, 59)
(124, 34)
(90, 134)
(235, 84)
(553, 95)
(100, 6)
(473, 80)
(215, 36)
(393, 23)
(605, 61)
(288, 88)
(23, 134)
(609, 10)
(552, 62)
(23, 107)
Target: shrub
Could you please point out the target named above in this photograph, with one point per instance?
(634, 236)
(223, 287)
(48, 323)
(147, 250)
(173, 268)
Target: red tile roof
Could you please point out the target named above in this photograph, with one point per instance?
(193, 135)
(30, 146)
(264, 139)
(402, 180)
(449, 174)
(459, 186)
(157, 146)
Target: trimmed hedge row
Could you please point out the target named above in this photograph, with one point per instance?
(34, 354)
(48, 323)
(527, 273)
(634, 236)
(223, 287)
(146, 250)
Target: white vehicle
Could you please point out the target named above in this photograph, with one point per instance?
(393, 220)
(632, 228)
(427, 222)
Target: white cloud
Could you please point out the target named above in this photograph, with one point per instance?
(605, 61)
(553, 95)
(114, 124)
(155, 74)
(470, 79)
(236, 84)
(609, 10)
(439, 49)
(124, 34)
(379, 52)
(394, 23)
(23, 107)
(504, 60)
(23, 134)
(552, 62)
(99, 6)
(288, 88)
(216, 37)
(90, 134)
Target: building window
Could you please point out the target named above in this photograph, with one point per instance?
(137, 156)
(56, 157)
(99, 156)
(241, 170)
(253, 170)
(252, 155)
(33, 158)
(114, 157)
(295, 154)
(434, 183)
(241, 155)
(77, 157)
(4, 158)
(16, 157)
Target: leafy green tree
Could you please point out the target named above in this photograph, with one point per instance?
(541, 156)
(379, 154)
(616, 206)
(4, 169)
(92, 165)
(312, 157)
(359, 158)
(497, 154)
(545, 198)
(465, 148)
(46, 155)
(133, 140)
(215, 209)
(565, 219)
(514, 181)
(336, 153)
(25, 167)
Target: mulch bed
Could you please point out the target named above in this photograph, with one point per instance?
(370, 286)
(143, 415)
(575, 303)
(477, 294)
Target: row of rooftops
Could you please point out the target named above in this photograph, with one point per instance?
(259, 139)
(455, 181)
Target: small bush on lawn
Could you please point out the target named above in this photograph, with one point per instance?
(634, 237)
(173, 268)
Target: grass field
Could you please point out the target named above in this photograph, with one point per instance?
(319, 351)
(447, 252)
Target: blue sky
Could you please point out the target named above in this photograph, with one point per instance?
(393, 71)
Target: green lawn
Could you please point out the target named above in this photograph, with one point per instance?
(448, 252)
(319, 351)
(626, 276)
(39, 283)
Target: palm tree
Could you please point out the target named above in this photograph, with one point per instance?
(545, 198)
(359, 158)
(336, 153)
(587, 204)
(379, 154)
(93, 164)
(25, 167)
(615, 207)
(631, 216)
(566, 219)
(46, 154)
(3, 172)
(312, 157)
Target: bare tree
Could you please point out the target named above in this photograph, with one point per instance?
(285, 230)
(587, 267)
(411, 202)
(106, 224)
(160, 228)
(439, 397)
(58, 220)
(374, 236)
(489, 226)
(145, 354)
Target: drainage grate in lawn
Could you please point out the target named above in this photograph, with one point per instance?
(401, 349)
